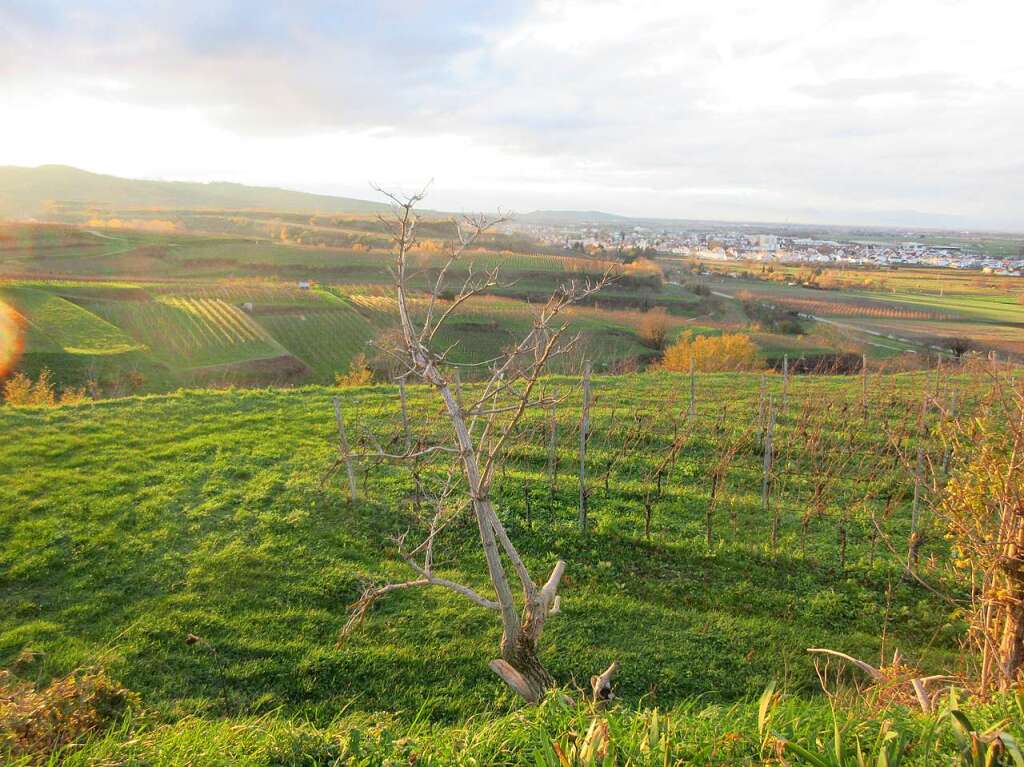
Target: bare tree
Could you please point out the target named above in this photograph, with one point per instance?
(482, 420)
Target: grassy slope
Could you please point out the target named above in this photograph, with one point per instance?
(55, 324)
(129, 524)
(77, 345)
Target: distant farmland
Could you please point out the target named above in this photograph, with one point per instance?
(214, 298)
(260, 333)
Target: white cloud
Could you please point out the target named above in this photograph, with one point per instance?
(834, 108)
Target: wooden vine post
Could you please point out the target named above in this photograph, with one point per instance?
(761, 422)
(692, 409)
(864, 385)
(405, 415)
(785, 379)
(343, 449)
(553, 445)
(952, 416)
(584, 433)
(766, 482)
(915, 535)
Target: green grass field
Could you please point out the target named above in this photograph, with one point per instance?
(130, 524)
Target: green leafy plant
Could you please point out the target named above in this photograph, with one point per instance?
(847, 750)
(990, 747)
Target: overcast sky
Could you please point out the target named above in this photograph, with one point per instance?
(844, 111)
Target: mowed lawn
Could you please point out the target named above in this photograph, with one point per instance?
(128, 525)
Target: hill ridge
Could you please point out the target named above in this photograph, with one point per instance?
(31, 191)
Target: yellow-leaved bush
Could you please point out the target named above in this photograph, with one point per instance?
(710, 354)
(359, 373)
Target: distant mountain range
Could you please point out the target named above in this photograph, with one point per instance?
(29, 192)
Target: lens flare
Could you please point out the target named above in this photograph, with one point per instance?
(12, 338)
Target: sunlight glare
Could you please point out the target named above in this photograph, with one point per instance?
(12, 338)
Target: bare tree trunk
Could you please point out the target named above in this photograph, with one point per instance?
(522, 669)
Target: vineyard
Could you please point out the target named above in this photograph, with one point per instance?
(22, 244)
(863, 309)
(326, 339)
(189, 332)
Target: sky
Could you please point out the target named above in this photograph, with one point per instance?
(830, 111)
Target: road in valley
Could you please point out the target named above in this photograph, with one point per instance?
(857, 329)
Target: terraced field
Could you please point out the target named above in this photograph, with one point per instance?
(188, 332)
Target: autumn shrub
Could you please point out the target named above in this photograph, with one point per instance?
(72, 395)
(982, 506)
(731, 351)
(359, 373)
(22, 390)
(37, 723)
(18, 390)
(654, 327)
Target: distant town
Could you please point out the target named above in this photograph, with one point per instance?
(743, 243)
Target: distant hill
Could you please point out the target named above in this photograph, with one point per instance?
(571, 217)
(29, 192)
